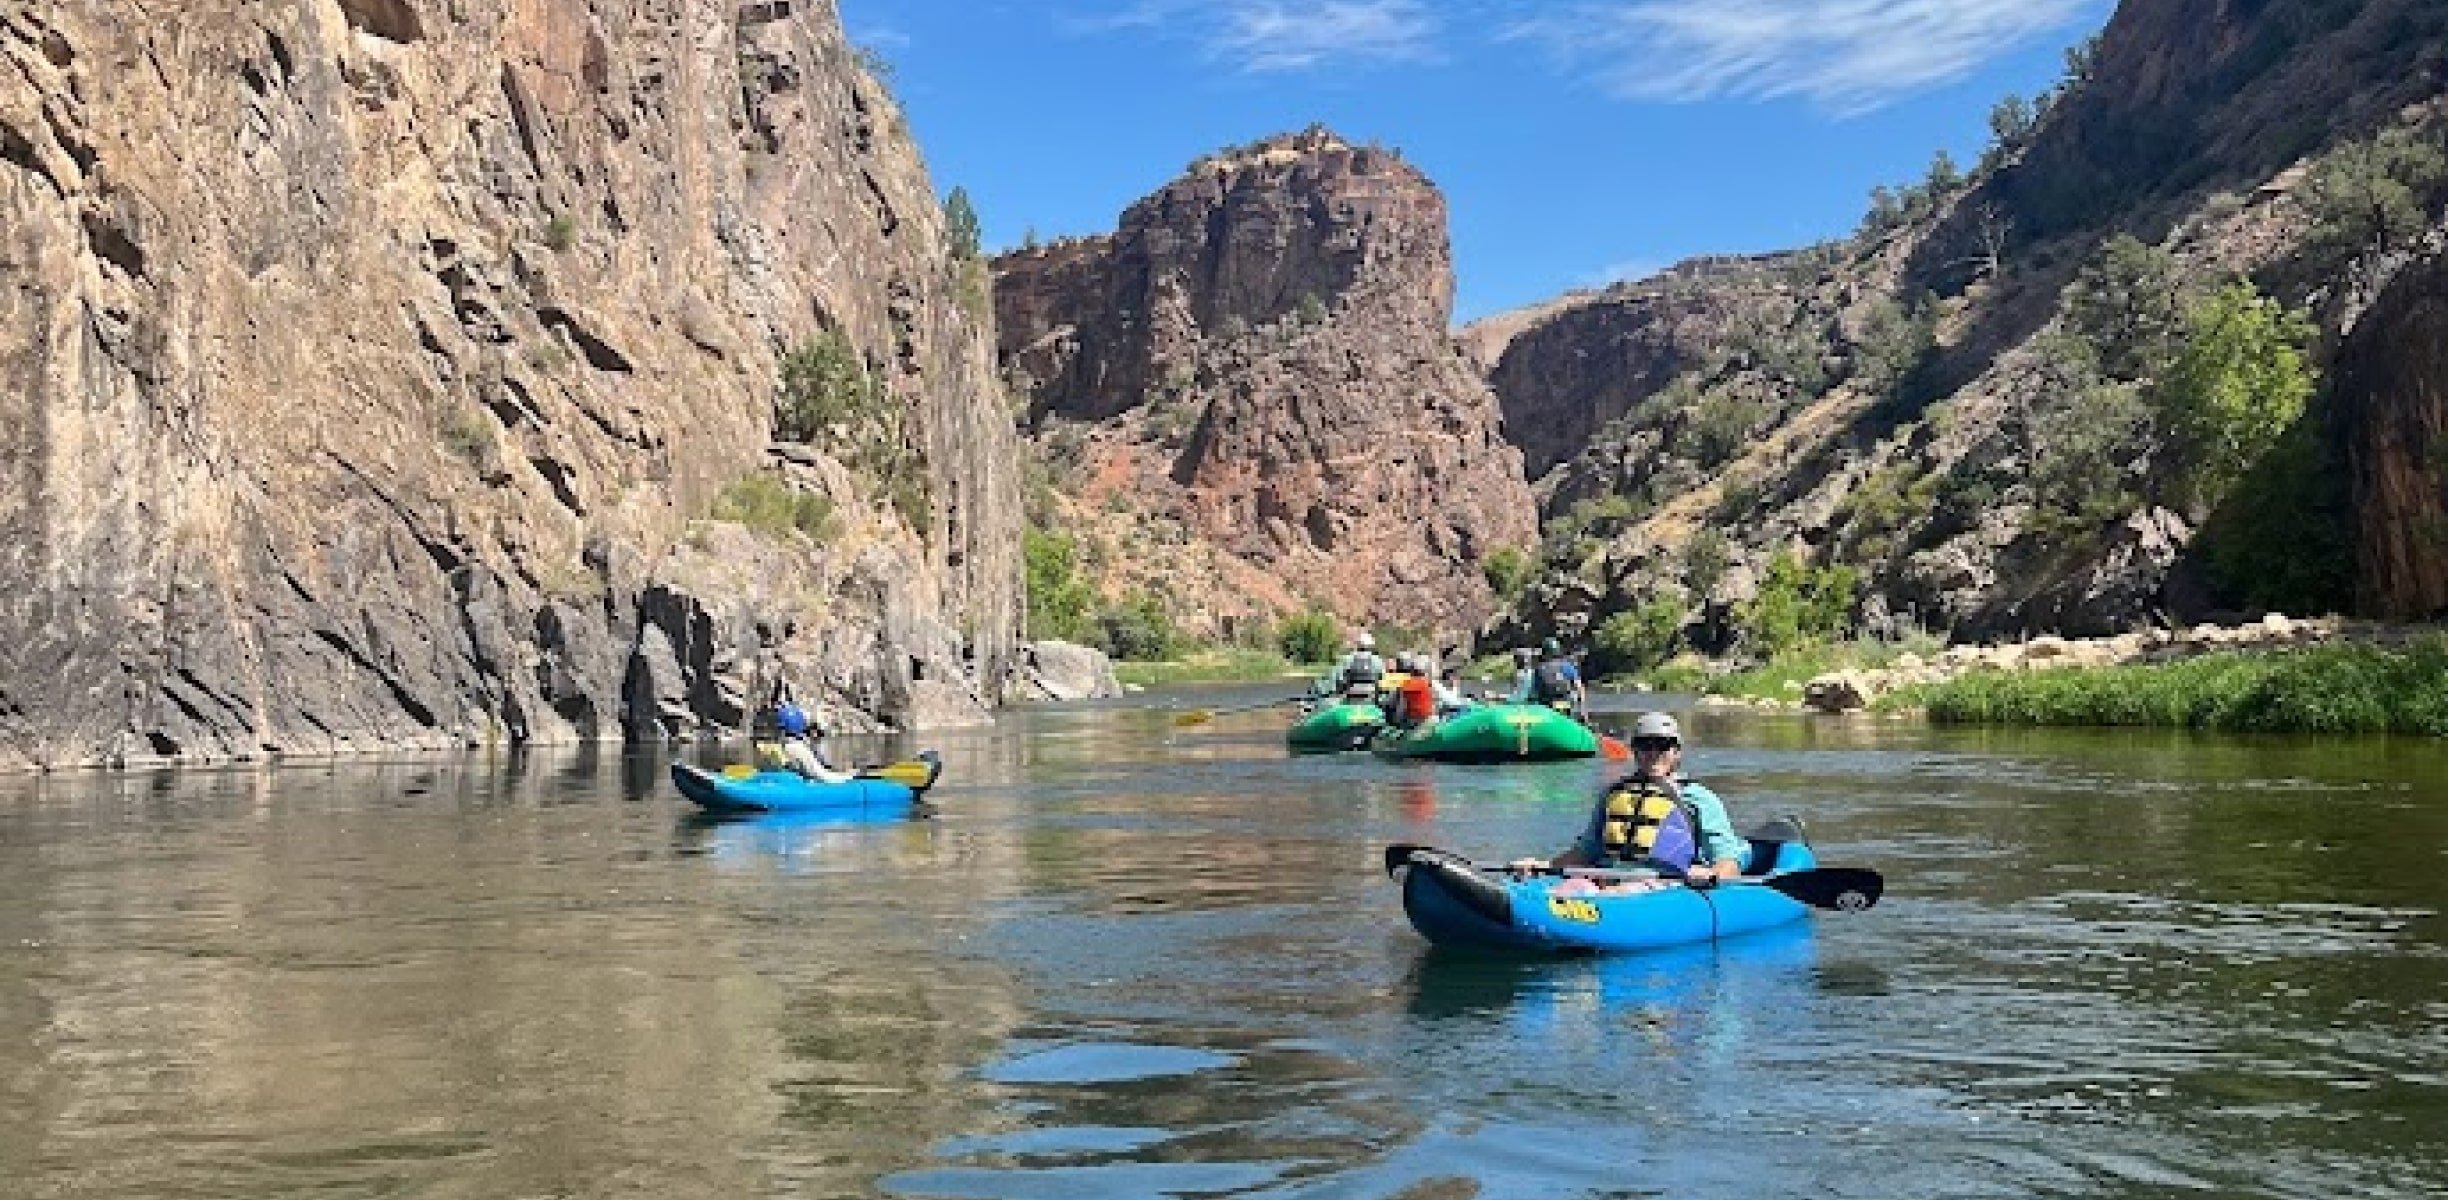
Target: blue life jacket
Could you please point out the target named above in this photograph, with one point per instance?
(1649, 824)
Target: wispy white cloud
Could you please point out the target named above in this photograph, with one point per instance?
(1620, 272)
(1267, 35)
(1849, 56)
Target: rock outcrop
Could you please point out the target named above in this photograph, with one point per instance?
(1257, 366)
(1060, 671)
(374, 371)
(2392, 384)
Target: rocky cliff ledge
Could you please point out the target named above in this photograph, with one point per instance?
(374, 368)
(2393, 384)
(1258, 363)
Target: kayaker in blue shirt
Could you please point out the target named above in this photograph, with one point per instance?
(1705, 850)
(1556, 681)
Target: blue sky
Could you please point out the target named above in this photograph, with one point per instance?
(1576, 141)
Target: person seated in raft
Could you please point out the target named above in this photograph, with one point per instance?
(1449, 697)
(1525, 679)
(1357, 676)
(1556, 682)
(1415, 698)
(1655, 820)
(802, 747)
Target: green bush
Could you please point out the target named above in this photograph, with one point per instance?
(2374, 192)
(1796, 605)
(1640, 637)
(768, 505)
(1309, 637)
(1059, 601)
(1705, 560)
(2239, 382)
(2128, 305)
(1140, 630)
(824, 384)
(1508, 572)
(2086, 452)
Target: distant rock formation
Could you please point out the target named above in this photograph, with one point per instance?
(1258, 360)
(374, 370)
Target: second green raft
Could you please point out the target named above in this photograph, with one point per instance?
(1494, 733)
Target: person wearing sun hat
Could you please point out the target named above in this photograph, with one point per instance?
(1654, 817)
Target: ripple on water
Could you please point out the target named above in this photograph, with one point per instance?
(1102, 1062)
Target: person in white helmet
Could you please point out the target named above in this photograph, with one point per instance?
(1653, 817)
(1360, 670)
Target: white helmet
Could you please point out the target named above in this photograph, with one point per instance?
(1366, 641)
(1657, 725)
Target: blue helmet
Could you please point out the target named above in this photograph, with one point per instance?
(792, 719)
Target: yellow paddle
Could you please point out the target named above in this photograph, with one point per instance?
(1200, 716)
(917, 774)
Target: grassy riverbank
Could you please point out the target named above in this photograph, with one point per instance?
(1782, 677)
(2314, 689)
(1217, 666)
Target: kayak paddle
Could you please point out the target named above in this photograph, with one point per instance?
(1836, 889)
(917, 774)
(1200, 716)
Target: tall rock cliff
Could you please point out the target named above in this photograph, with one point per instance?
(375, 370)
(1257, 366)
(2392, 384)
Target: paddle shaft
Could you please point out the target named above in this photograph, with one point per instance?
(1199, 716)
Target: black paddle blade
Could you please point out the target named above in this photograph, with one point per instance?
(1398, 856)
(1838, 889)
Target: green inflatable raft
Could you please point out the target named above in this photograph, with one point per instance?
(1336, 726)
(1494, 733)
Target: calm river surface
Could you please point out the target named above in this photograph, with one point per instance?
(1131, 960)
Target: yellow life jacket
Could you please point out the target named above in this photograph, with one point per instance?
(1646, 822)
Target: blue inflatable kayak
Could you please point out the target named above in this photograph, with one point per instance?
(887, 790)
(1453, 902)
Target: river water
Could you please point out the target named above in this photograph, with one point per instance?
(1130, 959)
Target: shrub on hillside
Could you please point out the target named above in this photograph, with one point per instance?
(1796, 605)
(1508, 572)
(1640, 637)
(1059, 602)
(1309, 637)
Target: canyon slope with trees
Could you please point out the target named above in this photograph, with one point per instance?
(2166, 353)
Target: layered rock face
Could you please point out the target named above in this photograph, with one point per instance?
(1259, 359)
(373, 366)
(2392, 382)
(1563, 376)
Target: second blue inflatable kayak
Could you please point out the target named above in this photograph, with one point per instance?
(887, 790)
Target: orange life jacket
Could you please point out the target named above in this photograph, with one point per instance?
(1416, 702)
